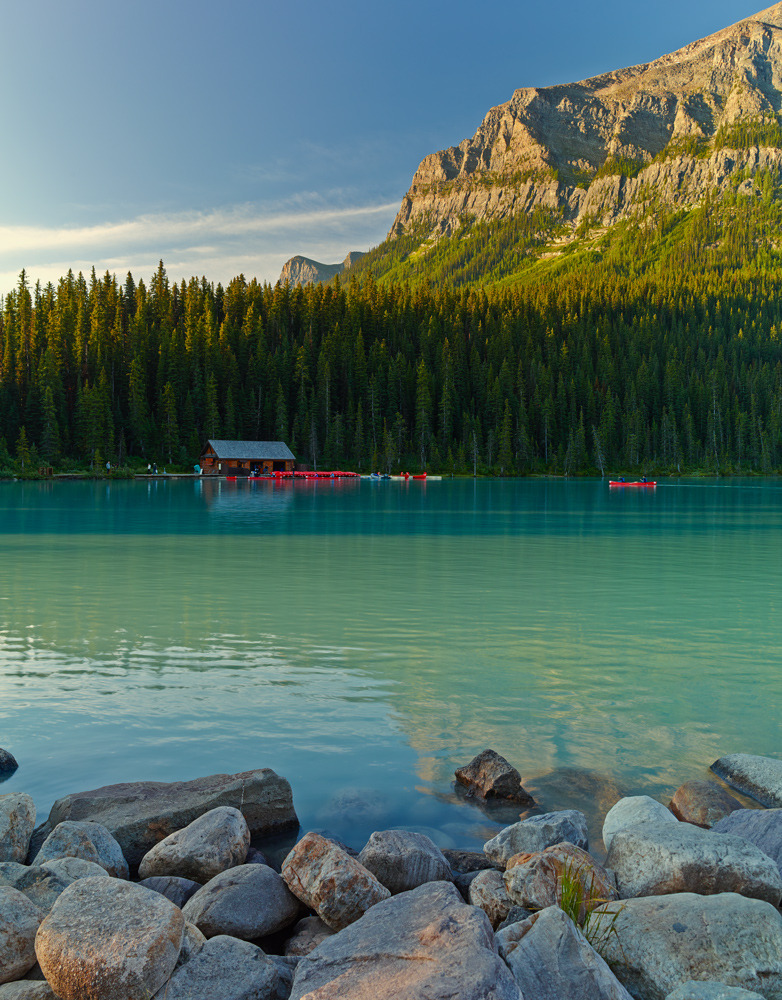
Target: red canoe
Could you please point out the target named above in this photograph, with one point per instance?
(612, 482)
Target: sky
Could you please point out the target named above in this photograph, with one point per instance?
(225, 139)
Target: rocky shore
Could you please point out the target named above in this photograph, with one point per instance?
(168, 891)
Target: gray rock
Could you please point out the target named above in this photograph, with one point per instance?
(425, 944)
(337, 887)
(177, 889)
(515, 914)
(490, 776)
(43, 886)
(248, 902)
(634, 810)
(17, 822)
(72, 868)
(192, 942)
(24, 989)
(464, 881)
(225, 969)
(654, 860)
(19, 921)
(256, 857)
(658, 943)
(761, 827)
(487, 890)
(211, 844)
(307, 935)
(402, 860)
(10, 872)
(7, 762)
(709, 991)
(538, 833)
(703, 803)
(551, 959)
(465, 862)
(107, 939)
(758, 777)
(88, 841)
(141, 813)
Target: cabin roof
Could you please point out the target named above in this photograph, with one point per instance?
(252, 451)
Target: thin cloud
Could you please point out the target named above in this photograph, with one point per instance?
(206, 226)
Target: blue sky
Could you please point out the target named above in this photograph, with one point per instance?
(227, 138)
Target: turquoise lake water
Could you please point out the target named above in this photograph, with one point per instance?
(365, 638)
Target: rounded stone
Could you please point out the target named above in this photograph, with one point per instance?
(211, 844)
(88, 841)
(401, 860)
(633, 810)
(107, 939)
(19, 921)
(247, 902)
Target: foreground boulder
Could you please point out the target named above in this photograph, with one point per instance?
(538, 833)
(225, 969)
(658, 943)
(551, 960)
(106, 939)
(653, 860)
(139, 814)
(211, 844)
(703, 803)
(25, 989)
(19, 921)
(490, 776)
(17, 822)
(401, 860)
(761, 827)
(88, 841)
(537, 882)
(758, 777)
(426, 944)
(326, 879)
(247, 902)
(634, 810)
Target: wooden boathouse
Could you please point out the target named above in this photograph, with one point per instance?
(245, 458)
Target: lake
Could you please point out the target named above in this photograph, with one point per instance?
(364, 639)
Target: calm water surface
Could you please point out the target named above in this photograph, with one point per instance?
(365, 638)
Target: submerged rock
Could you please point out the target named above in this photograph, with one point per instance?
(490, 776)
(7, 762)
(758, 777)
(702, 803)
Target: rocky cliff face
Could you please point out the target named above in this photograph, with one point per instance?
(675, 123)
(304, 271)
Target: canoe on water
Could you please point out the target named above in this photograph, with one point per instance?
(613, 482)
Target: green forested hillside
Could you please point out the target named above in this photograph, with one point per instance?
(654, 346)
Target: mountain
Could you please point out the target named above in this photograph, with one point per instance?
(553, 163)
(305, 271)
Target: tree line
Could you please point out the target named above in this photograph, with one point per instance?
(657, 349)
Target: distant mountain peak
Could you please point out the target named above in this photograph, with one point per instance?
(305, 271)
